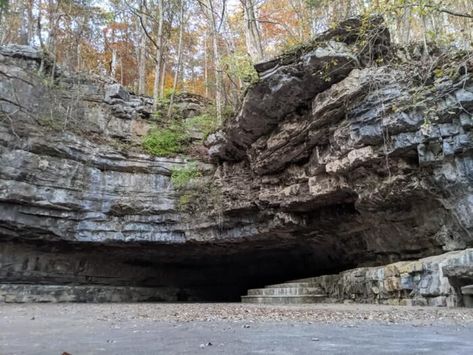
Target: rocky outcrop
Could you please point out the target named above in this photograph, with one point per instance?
(290, 82)
(376, 165)
(81, 204)
(430, 281)
(341, 156)
(422, 282)
(24, 293)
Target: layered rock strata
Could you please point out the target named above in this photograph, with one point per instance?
(340, 156)
(80, 204)
(368, 163)
(432, 281)
(26, 293)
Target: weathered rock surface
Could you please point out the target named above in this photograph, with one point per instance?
(24, 293)
(289, 83)
(431, 281)
(377, 166)
(332, 162)
(424, 282)
(79, 205)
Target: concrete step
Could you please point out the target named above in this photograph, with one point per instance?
(259, 299)
(285, 291)
(308, 279)
(291, 284)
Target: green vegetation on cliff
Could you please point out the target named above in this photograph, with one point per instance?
(180, 177)
(166, 142)
(206, 123)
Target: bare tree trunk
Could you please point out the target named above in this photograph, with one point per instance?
(39, 26)
(313, 21)
(234, 88)
(206, 65)
(113, 69)
(424, 35)
(53, 19)
(159, 55)
(406, 25)
(157, 77)
(210, 10)
(121, 71)
(52, 26)
(163, 79)
(142, 56)
(3, 8)
(30, 22)
(22, 28)
(79, 55)
(179, 59)
(113, 65)
(252, 33)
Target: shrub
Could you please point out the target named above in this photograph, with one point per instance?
(51, 122)
(205, 123)
(165, 142)
(239, 65)
(180, 177)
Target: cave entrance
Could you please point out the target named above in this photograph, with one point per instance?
(168, 273)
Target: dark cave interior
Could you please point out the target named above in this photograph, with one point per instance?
(200, 272)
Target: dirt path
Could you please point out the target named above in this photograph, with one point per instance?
(232, 329)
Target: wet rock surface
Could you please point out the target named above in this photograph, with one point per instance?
(335, 160)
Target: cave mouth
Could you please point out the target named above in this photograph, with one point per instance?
(191, 272)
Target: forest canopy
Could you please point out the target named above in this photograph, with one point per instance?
(157, 47)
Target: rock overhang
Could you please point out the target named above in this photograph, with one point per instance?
(328, 165)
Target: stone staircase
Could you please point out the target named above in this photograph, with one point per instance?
(291, 292)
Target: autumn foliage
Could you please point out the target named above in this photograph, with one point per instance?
(219, 39)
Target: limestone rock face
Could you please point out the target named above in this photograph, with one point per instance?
(376, 165)
(432, 281)
(422, 282)
(56, 179)
(339, 157)
(289, 83)
(24, 293)
(79, 204)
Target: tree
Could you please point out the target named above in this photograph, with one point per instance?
(252, 32)
(159, 54)
(3, 10)
(147, 46)
(179, 57)
(142, 52)
(210, 11)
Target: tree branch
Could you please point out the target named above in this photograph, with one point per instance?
(142, 25)
(451, 13)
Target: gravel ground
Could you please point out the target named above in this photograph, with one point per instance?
(232, 329)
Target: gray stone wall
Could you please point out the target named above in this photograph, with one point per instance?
(335, 159)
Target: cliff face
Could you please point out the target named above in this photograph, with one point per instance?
(81, 204)
(369, 161)
(341, 155)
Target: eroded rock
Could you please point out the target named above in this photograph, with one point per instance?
(332, 162)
